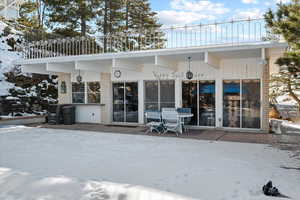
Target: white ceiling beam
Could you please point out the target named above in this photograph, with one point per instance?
(211, 60)
(126, 65)
(61, 67)
(165, 63)
(37, 69)
(93, 66)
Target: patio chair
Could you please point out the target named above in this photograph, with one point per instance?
(171, 122)
(168, 110)
(185, 120)
(154, 121)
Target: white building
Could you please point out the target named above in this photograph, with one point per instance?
(230, 63)
(10, 8)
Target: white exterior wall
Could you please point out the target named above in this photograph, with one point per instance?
(67, 97)
(246, 68)
(88, 114)
(217, 63)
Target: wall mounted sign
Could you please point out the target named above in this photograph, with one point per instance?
(63, 87)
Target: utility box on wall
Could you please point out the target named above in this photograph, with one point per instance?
(88, 113)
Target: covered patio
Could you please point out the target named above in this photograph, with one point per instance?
(228, 88)
(203, 134)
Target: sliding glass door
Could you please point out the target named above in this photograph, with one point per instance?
(200, 97)
(190, 99)
(251, 104)
(231, 103)
(131, 102)
(125, 102)
(118, 102)
(241, 103)
(159, 94)
(207, 99)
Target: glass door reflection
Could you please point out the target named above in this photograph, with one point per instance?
(118, 102)
(251, 104)
(241, 103)
(189, 99)
(131, 102)
(231, 103)
(200, 97)
(207, 103)
(125, 102)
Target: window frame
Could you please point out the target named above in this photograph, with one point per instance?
(159, 102)
(86, 93)
(96, 93)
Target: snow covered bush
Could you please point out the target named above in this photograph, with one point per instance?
(33, 91)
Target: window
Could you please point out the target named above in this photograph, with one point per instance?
(159, 94)
(86, 92)
(93, 92)
(78, 91)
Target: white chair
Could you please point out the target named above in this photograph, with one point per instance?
(171, 121)
(168, 110)
(153, 121)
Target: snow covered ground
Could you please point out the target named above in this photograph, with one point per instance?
(51, 164)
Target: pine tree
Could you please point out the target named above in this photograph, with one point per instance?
(129, 24)
(286, 23)
(32, 14)
(32, 19)
(144, 23)
(72, 16)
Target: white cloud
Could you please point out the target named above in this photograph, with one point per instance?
(267, 3)
(199, 5)
(181, 17)
(249, 1)
(283, 1)
(191, 11)
(249, 13)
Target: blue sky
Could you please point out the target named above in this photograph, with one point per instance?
(179, 12)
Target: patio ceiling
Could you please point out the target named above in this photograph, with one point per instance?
(135, 61)
(238, 54)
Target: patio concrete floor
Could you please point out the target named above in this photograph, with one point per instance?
(211, 134)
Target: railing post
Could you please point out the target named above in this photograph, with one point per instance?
(249, 29)
(200, 31)
(216, 32)
(232, 37)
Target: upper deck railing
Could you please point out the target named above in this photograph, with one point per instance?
(232, 32)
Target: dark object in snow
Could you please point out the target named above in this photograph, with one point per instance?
(269, 190)
(55, 113)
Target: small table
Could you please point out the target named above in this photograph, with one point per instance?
(182, 116)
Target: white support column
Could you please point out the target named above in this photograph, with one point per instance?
(219, 99)
(141, 101)
(106, 98)
(178, 93)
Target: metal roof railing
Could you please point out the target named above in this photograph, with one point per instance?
(232, 32)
